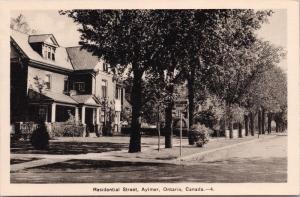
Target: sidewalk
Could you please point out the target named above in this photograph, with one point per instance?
(149, 153)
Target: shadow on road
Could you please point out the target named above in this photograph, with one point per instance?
(237, 170)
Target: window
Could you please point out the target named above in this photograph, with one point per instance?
(105, 67)
(66, 85)
(118, 92)
(48, 81)
(104, 88)
(42, 112)
(80, 86)
(49, 52)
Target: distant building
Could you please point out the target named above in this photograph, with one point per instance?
(75, 81)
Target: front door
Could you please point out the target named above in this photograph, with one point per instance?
(89, 120)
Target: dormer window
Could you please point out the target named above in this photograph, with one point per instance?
(44, 44)
(49, 52)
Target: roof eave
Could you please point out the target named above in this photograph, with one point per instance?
(51, 66)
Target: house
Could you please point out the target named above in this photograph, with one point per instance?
(49, 82)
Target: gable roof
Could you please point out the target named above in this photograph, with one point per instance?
(47, 38)
(87, 99)
(61, 55)
(82, 59)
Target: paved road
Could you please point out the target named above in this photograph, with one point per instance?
(260, 161)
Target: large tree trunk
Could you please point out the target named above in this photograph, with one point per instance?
(259, 122)
(269, 123)
(136, 101)
(168, 120)
(263, 119)
(251, 124)
(240, 130)
(246, 120)
(191, 96)
(230, 127)
(230, 123)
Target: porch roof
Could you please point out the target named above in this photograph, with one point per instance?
(50, 96)
(59, 97)
(87, 99)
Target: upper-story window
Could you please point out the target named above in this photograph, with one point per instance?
(80, 86)
(49, 52)
(104, 88)
(66, 85)
(48, 81)
(118, 92)
(105, 67)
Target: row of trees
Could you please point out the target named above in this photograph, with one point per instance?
(215, 51)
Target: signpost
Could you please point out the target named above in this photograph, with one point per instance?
(181, 107)
(158, 128)
(180, 134)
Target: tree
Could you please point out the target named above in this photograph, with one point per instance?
(123, 38)
(209, 31)
(20, 24)
(269, 92)
(257, 99)
(231, 62)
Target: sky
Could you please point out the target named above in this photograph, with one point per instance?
(65, 30)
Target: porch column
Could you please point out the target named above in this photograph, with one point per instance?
(94, 111)
(76, 114)
(53, 112)
(98, 115)
(83, 115)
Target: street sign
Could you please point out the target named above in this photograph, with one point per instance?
(180, 106)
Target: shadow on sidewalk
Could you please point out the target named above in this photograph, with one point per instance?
(67, 148)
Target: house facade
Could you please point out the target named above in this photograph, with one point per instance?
(49, 82)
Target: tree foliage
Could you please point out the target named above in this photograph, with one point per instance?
(20, 24)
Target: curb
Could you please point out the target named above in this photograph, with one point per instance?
(184, 158)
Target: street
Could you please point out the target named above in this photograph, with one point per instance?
(263, 160)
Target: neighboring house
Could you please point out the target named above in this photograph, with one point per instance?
(74, 81)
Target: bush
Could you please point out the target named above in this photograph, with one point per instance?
(65, 129)
(199, 134)
(40, 138)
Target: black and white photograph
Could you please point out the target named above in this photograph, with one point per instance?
(160, 98)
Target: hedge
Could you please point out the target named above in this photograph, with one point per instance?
(62, 129)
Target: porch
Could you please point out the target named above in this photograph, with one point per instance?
(54, 108)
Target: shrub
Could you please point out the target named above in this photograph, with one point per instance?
(107, 130)
(65, 129)
(73, 131)
(40, 138)
(199, 134)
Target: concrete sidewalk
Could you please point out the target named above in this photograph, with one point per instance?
(149, 154)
